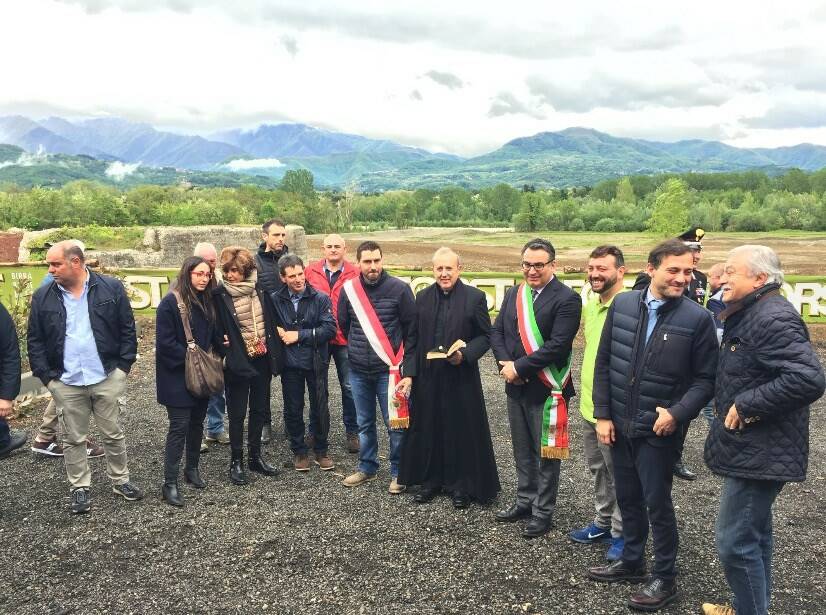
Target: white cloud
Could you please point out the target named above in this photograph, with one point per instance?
(27, 160)
(119, 170)
(461, 76)
(243, 164)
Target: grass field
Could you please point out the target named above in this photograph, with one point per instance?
(802, 253)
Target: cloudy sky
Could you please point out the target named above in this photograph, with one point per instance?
(456, 76)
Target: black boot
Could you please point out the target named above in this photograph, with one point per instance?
(236, 472)
(170, 494)
(193, 477)
(257, 464)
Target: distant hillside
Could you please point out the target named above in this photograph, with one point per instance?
(571, 157)
(55, 170)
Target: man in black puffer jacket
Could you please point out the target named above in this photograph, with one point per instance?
(395, 308)
(767, 375)
(273, 234)
(652, 377)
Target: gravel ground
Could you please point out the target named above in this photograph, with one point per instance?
(302, 543)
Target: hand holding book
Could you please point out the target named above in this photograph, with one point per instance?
(441, 353)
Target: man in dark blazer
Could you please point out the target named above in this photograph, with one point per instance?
(556, 309)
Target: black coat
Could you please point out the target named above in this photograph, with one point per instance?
(674, 370)
(314, 322)
(266, 263)
(9, 357)
(170, 350)
(448, 443)
(110, 314)
(770, 372)
(237, 363)
(557, 310)
(395, 307)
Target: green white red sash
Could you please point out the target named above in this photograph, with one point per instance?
(368, 319)
(554, 444)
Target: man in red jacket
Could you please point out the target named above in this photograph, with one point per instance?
(328, 275)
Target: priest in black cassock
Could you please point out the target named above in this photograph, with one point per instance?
(448, 447)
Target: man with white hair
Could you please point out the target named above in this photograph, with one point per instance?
(767, 376)
(217, 406)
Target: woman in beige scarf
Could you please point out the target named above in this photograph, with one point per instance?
(253, 357)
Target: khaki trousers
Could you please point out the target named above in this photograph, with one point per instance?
(75, 406)
(48, 427)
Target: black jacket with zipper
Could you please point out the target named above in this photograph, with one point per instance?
(266, 263)
(110, 315)
(770, 373)
(674, 370)
(314, 322)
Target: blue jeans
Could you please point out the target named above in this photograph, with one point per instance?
(348, 406)
(216, 411)
(367, 388)
(744, 541)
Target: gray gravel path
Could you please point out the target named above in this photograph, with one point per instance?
(305, 544)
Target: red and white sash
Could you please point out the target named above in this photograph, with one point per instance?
(380, 343)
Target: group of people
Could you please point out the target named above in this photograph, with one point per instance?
(654, 358)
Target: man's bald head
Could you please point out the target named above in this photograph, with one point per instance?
(334, 249)
(67, 263)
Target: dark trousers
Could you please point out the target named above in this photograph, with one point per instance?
(5, 437)
(292, 387)
(252, 393)
(185, 428)
(348, 406)
(642, 478)
(682, 434)
(537, 478)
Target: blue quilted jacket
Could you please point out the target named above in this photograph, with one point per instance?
(768, 369)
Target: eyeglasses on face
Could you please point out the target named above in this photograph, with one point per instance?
(202, 274)
(526, 266)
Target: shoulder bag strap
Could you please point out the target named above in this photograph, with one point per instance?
(184, 318)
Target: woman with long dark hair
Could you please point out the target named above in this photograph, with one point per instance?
(194, 284)
(253, 357)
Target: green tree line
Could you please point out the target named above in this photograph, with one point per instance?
(663, 204)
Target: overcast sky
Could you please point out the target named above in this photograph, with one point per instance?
(454, 76)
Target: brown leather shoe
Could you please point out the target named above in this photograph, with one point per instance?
(352, 443)
(618, 571)
(324, 462)
(302, 463)
(717, 609)
(654, 595)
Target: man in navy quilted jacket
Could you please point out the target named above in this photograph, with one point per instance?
(767, 375)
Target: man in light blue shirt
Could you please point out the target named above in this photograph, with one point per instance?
(82, 344)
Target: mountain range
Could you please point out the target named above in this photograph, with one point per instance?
(57, 149)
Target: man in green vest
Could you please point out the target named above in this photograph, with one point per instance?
(606, 270)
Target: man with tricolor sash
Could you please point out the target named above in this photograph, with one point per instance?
(531, 341)
(654, 372)
(377, 316)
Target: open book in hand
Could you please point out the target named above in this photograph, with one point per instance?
(441, 353)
